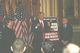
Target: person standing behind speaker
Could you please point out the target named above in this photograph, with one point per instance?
(39, 26)
(65, 32)
(8, 35)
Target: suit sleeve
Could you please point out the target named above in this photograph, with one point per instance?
(59, 30)
(32, 27)
(71, 34)
(34, 24)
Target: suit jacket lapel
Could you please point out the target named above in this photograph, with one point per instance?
(67, 27)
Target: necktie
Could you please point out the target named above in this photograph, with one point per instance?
(42, 25)
(64, 27)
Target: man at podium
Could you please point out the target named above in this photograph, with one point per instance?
(39, 26)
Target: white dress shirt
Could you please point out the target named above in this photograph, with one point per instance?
(42, 22)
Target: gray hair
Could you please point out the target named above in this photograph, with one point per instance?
(71, 48)
(18, 45)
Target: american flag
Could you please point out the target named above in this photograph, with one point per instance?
(2, 15)
(25, 27)
(10, 11)
(17, 26)
(31, 35)
(20, 25)
(2, 12)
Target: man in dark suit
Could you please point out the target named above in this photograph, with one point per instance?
(65, 32)
(39, 26)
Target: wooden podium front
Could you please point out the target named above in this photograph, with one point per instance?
(53, 36)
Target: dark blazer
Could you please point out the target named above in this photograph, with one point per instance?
(38, 35)
(66, 34)
(39, 29)
(8, 37)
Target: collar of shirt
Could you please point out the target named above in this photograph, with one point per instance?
(65, 25)
(40, 21)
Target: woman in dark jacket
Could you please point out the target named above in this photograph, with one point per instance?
(8, 36)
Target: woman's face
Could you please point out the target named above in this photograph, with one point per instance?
(10, 23)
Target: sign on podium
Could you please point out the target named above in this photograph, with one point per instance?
(53, 36)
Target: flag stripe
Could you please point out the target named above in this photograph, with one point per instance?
(20, 25)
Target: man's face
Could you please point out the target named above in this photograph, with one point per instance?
(64, 21)
(41, 16)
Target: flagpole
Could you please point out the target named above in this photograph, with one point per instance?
(17, 1)
(9, 2)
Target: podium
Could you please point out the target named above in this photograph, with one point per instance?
(53, 36)
(53, 33)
